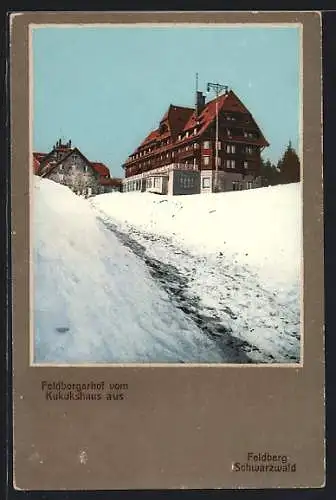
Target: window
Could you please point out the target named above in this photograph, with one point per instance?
(206, 160)
(219, 161)
(195, 130)
(61, 167)
(61, 177)
(230, 164)
(74, 156)
(206, 144)
(249, 150)
(186, 181)
(206, 182)
(229, 133)
(179, 137)
(85, 168)
(246, 164)
(156, 182)
(235, 186)
(89, 191)
(249, 185)
(230, 148)
(219, 145)
(187, 134)
(250, 135)
(195, 145)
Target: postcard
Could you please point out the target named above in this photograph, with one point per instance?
(167, 250)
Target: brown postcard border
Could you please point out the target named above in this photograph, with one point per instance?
(170, 409)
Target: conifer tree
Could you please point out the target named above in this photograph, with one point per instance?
(289, 166)
(269, 173)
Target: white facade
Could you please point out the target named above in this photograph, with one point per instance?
(187, 179)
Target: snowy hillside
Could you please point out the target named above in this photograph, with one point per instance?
(123, 278)
(231, 261)
(94, 300)
(258, 227)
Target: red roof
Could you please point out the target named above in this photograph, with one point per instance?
(225, 102)
(177, 116)
(36, 165)
(150, 137)
(182, 118)
(37, 158)
(100, 168)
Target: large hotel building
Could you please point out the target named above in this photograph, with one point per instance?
(180, 156)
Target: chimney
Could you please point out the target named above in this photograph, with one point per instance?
(200, 102)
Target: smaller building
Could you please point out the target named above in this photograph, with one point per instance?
(69, 166)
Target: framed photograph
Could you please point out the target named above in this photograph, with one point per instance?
(167, 250)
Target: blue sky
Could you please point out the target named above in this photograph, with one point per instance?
(107, 87)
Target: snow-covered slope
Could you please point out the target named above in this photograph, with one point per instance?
(258, 227)
(232, 260)
(94, 300)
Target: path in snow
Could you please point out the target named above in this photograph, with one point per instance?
(226, 300)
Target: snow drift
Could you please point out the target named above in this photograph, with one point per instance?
(258, 227)
(94, 300)
(239, 254)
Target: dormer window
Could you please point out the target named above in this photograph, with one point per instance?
(179, 137)
(163, 128)
(187, 134)
(195, 130)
